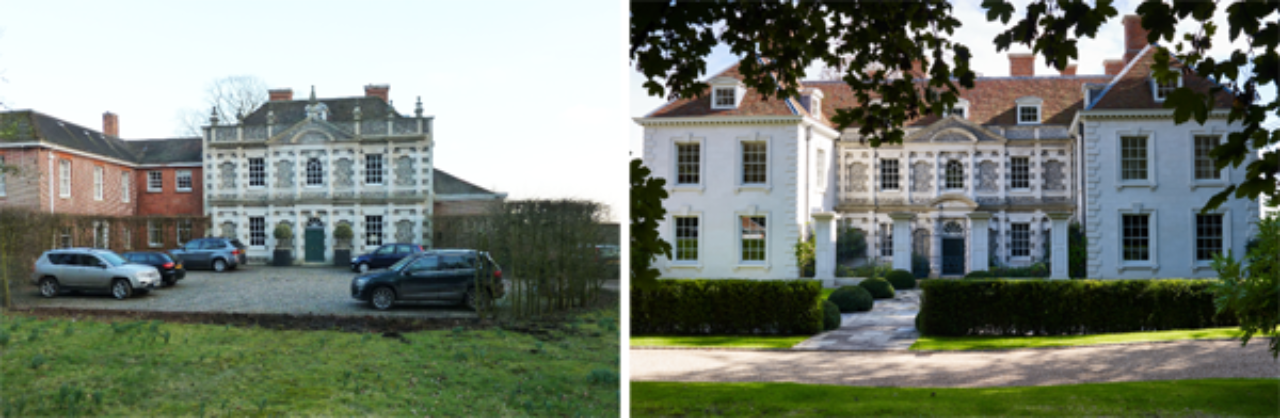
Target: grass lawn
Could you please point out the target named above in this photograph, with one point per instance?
(1211, 397)
(1003, 343)
(59, 367)
(721, 341)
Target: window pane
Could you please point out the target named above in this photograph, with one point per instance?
(1133, 158)
(1208, 236)
(257, 231)
(955, 175)
(1204, 163)
(688, 158)
(754, 163)
(315, 172)
(1020, 169)
(1136, 238)
(725, 97)
(889, 174)
(1020, 245)
(686, 238)
(753, 235)
(257, 172)
(886, 240)
(373, 230)
(373, 168)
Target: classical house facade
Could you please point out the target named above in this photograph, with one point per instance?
(997, 180)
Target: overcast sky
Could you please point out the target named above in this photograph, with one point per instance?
(979, 36)
(528, 97)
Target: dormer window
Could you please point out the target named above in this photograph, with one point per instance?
(1029, 110)
(1160, 91)
(724, 98)
(961, 109)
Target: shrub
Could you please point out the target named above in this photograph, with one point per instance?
(830, 316)
(852, 299)
(872, 269)
(879, 288)
(727, 307)
(1077, 252)
(1251, 289)
(1066, 307)
(901, 279)
(804, 256)
(283, 231)
(919, 266)
(978, 274)
(844, 271)
(850, 244)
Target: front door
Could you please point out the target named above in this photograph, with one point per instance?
(315, 245)
(952, 256)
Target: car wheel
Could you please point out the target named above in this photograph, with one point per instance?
(383, 297)
(364, 268)
(121, 289)
(219, 265)
(171, 282)
(49, 287)
(471, 299)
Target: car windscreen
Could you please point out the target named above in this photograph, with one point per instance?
(112, 258)
(162, 257)
(400, 264)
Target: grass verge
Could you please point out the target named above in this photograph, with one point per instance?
(1210, 397)
(1005, 343)
(719, 341)
(136, 368)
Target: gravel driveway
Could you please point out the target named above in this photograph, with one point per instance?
(248, 289)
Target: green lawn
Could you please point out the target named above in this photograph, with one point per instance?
(1211, 397)
(720, 341)
(1004, 343)
(60, 367)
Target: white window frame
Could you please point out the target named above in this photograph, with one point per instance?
(1153, 240)
(1013, 241)
(718, 101)
(317, 175)
(1155, 86)
(154, 238)
(1150, 181)
(370, 173)
(765, 264)
(896, 176)
(740, 165)
(258, 172)
(97, 182)
(155, 181)
(696, 262)
(177, 181)
(1013, 173)
(64, 178)
(883, 235)
(125, 178)
(821, 168)
(1223, 174)
(721, 84)
(963, 107)
(258, 238)
(1197, 265)
(946, 175)
(1029, 102)
(370, 233)
(675, 163)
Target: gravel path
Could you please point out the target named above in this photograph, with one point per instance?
(890, 325)
(1026, 367)
(248, 289)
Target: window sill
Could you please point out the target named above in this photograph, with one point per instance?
(1153, 267)
(1201, 265)
(1148, 185)
(154, 191)
(183, 191)
(1217, 184)
(685, 265)
(753, 188)
(761, 266)
(689, 188)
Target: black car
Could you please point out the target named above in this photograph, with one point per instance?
(215, 253)
(170, 270)
(384, 256)
(435, 275)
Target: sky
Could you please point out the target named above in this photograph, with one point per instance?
(523, 102)
(978, 34)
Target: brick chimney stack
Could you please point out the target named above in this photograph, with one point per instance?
(281, 95)
(381, 91)
(1135, 37)
(1070, 70)
(1113, 67)
(110, 124)
(1022, 64)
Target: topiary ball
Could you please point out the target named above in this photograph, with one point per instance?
(852, 299)
(978, 274)
(830, 316)
(901, 279)
(879, 288)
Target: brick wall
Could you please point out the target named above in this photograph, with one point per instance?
(81, 200)
(23, 189)
(463, 207)
(169, 201)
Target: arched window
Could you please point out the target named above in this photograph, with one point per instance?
(315, 172)
(955, 175)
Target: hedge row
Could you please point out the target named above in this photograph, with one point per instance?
(727, 307)
(1065, 307)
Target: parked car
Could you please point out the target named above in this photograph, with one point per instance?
(440, 275)
(384, 256)
(216, 253)
(170, 270)
(91, 269)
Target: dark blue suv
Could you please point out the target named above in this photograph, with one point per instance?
(384, 256)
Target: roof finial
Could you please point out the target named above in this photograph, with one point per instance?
(417, 110)
(313, 93)
(213, 116)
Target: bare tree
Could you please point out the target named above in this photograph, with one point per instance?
(234, 97)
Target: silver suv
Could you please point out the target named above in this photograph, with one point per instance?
(91, 269)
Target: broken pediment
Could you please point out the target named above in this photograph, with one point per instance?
(953, 129)
(310, 131)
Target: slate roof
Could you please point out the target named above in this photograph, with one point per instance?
(444, 183)
(340, 110)
(32, 126)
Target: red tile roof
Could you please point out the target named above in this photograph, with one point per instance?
(753, 104)
(1132, 89)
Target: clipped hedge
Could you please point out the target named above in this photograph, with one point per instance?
(852, 299)
(727, 307)
(830, 316)
(1066, 307)
(879, 288)
(978, 274)
(901, 279)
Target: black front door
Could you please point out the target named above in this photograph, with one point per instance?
(952, 256)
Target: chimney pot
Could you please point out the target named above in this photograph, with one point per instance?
(280, 95)
(1113, 67)
(110, 124)
(381, 91)
(1135, 37)
(1070, 70)
(1022, 65)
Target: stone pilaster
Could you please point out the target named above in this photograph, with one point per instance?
(902, 240)
(824, 253)
(978, 240)
(1059, 264)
